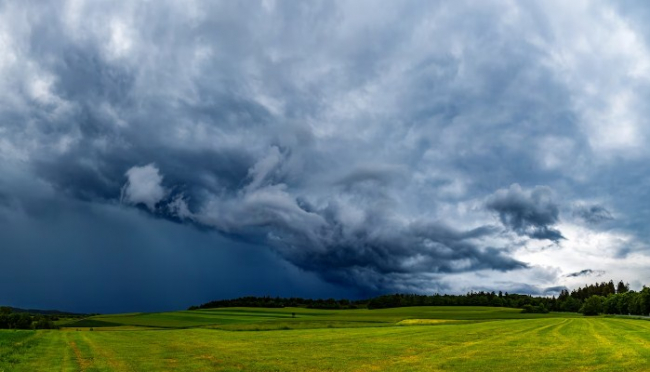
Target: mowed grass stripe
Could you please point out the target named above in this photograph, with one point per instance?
(635, 335)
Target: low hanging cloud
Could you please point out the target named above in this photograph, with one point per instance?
(555, 290)
(531, 213)
(586, 272)
(143, 186)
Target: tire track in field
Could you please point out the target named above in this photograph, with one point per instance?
(85, 363)
(105, 355)
(82, 362)
(68, 363)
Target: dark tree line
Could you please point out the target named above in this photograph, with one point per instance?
(613, 299)
(500, 299)
(13, 320)
(604, 297)
(387, 301)
(625, 303)
(278, 302)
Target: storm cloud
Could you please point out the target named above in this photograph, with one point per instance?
(372, 147)
(593, 214)
(531, 213)
(586, 272)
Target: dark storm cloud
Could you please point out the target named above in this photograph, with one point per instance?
(531, 213)
(210, 147)
(352, 139)
(593, 214)
(370, 255)
(356, 246)
(586, 272)
(381, 174)
(514, 287)
(554, 290)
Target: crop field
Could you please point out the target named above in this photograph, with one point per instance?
(402, 339)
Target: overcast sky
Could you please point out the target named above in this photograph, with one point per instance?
(161, 154)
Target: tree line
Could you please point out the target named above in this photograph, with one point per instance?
(279, 302)
(21, 320)
(624, 303)
(604, 297)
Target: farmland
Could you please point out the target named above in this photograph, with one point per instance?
(399, 339)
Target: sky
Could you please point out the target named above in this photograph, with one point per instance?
(161, 154)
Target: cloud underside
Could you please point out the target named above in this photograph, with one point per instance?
(379, 157)
(527, 213)
(346, 243)
(586, 272)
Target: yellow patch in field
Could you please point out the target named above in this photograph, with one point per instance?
(427, 321)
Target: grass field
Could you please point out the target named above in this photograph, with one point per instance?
(404, 339)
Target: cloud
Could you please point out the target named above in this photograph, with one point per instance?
(586, 272)
(530, 213)
(362, 247)
(593, 214)
(143, 186)
(336, 134)
(381, 174)
(555, 290)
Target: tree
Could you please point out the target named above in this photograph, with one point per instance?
(622, 287)
(592, 306)
(570, 304)
(645, 300)
(610, 304)
(44, 323)
(20, 321)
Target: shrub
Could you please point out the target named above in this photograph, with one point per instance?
(592, 306)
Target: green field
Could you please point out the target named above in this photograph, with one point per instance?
(402, 339)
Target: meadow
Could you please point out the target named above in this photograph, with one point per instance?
(398, 339)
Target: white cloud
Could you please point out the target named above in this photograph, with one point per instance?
(143, 186)
(605, 65)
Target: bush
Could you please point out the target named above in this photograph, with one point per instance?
(592, 306)
(43, 323)
(541, 309)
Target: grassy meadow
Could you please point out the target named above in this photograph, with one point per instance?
(399, 339)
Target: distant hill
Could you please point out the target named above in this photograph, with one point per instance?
(43, 312)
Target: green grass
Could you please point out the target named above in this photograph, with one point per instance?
(87, 323)
(261, 319)
(404, 339)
